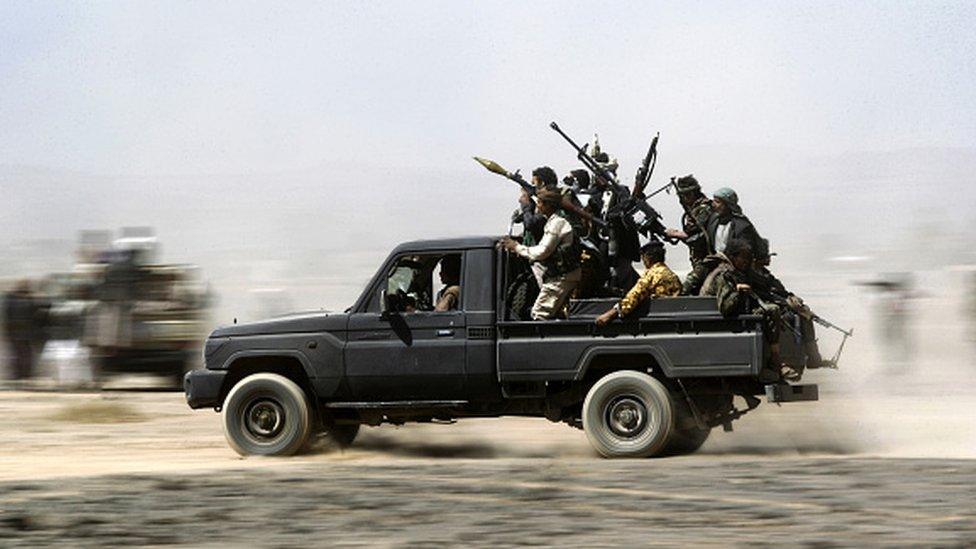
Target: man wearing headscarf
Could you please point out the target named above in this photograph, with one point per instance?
(727, 222)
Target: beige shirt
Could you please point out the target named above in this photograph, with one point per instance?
(557, 231)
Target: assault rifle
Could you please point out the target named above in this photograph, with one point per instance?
(646, 169)
(529, 188)
(651, 226)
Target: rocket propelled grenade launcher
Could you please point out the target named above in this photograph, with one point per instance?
(529, 188)
(515, 176)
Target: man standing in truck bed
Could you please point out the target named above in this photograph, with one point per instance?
(558, 253)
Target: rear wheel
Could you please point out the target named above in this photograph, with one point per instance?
(687, 437)
(267, 414)
(628, 414)
(686, 440)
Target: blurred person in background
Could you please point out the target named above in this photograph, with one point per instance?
(893, 312)
(893, 304)
(24, 327)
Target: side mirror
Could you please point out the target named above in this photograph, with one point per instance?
(389, 304)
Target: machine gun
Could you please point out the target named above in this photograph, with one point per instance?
(804, 311)
(595, 168)
(529, 188)
(650, 226)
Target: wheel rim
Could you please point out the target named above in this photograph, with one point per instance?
(264, 419)
(626, 416)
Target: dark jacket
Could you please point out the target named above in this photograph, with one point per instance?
(741, 228)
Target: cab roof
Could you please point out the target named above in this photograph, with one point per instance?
(462, 243)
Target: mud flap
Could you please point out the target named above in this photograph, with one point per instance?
(783, 392)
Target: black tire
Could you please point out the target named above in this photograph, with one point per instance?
(342, 435)
(267, 415)
(687, 437)
(628, 414)
(686, 441)
(521, 295)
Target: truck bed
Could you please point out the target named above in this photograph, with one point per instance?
(682, 336)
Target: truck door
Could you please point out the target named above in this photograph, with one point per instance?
(414, 352)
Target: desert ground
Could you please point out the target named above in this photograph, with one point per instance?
(135, 467)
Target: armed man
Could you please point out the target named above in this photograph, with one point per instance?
(768, 288)
(558, 255)
(727, 222)
(533, 222)
(731, 284)
(657, 281)
(697, 209)
(621, 246)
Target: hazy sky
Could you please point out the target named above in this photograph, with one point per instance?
(208, 87)
(263, 131)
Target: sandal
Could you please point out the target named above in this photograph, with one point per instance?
(788, 373)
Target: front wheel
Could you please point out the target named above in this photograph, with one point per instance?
(268, 415)
(628, 414)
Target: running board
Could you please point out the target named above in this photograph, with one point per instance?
(792, 393)
(399, 404)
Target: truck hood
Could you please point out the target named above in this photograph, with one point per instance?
(288, 324)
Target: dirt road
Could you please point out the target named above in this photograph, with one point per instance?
(141, 468)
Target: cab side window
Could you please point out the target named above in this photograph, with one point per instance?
(428, 282)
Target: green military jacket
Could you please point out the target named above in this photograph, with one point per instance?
(693, 223)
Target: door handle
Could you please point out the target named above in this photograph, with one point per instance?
(445, 333)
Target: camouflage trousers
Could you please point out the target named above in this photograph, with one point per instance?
(693, 282)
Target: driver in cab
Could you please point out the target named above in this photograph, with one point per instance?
(450, 294)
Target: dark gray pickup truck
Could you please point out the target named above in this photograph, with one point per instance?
(654, 384)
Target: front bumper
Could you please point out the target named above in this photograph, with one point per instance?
(202, 387)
